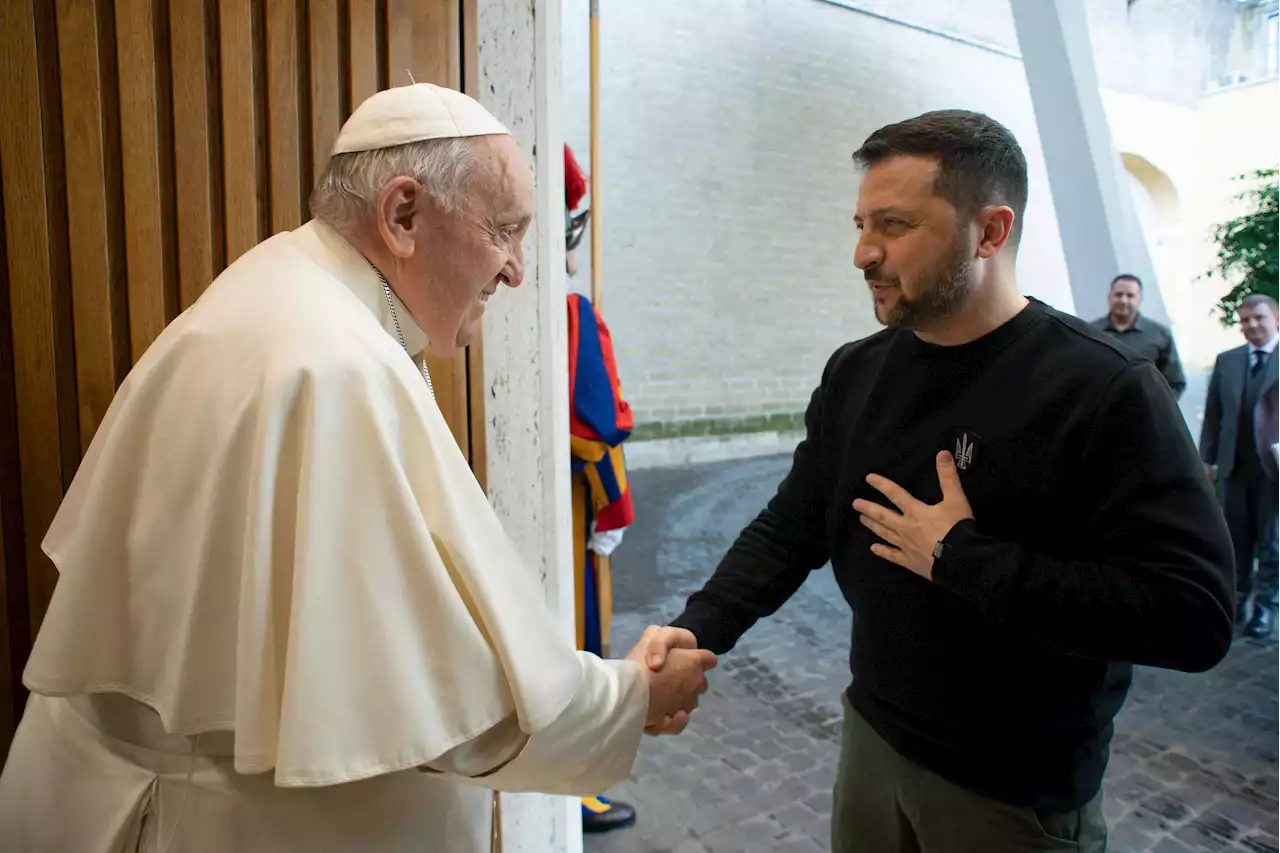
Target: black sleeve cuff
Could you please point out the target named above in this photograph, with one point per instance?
(959, 570)
(707, 626)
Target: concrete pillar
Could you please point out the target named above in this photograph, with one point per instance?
(1101, 236)
(526, 360)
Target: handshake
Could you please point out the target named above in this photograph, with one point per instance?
(677, 676)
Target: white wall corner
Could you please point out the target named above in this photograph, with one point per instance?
(526, 367)
(1096, 215)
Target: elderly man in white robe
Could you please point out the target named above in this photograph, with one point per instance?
(287, 618)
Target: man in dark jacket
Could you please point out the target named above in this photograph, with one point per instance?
(1146, 337)
(1012, 506)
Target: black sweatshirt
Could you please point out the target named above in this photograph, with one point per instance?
(1096, 544)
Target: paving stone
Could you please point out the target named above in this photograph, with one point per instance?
(1148, 822)
(1266, 782)
(736, 811)
(1179, 762)
(1260, 799)
(1243, 814)
(740, 759)
(719, 841)
(1166, 807)
(689, 845)
(1134, 788)
(790, 791)
(1140, 749)
(1196, 797)
(1208, 833)
(799, 817)
(799, 844)
(1122, 764)
(1260, 843)
(767, 774)
(1113, 810)
(1124, 837)
(821, 802)
(1170, 845)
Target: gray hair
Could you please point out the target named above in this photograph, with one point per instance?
(348, 189)
(1253, 300)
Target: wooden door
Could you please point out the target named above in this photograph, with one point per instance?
(144, 145)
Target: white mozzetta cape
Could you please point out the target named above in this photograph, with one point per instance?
(274, 534)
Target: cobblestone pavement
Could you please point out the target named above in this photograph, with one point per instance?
(1194, 766)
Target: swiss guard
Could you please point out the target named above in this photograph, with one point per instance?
(600, 420)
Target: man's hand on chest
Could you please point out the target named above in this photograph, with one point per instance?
(914, 531)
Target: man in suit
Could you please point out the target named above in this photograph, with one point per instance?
(1145, 336)
(1239, 445)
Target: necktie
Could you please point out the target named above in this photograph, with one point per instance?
(1259, 357)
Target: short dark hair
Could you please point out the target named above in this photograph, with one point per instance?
(1126, 276)
(1253, 300)
(979, 160)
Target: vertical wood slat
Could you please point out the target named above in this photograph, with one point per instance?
(438, 43)
(8, 708)
(90, 132)
(55, 185)
(284, 122)
(35, 233)
(11, 560)
(424, 38)
(449, 375)
(467, 23)
(148, 243)
(364, 50)
(473, 368)
(198, 247)
(15, 628)
(325, 77)
(108, 71)
(241, 159)
(468, 73)
(401, 26)
(262, 107)
(468, 58)
(303, 87)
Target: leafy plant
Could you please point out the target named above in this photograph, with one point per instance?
(1247, 245)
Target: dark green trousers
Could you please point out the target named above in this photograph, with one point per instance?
(887, 804)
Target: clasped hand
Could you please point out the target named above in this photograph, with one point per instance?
(911, 533)
(677, 676)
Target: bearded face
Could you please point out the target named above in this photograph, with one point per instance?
(938, 290)
(915, 249)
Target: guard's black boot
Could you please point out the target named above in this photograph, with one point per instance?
(601, 815)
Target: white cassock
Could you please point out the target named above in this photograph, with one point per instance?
(287, 617)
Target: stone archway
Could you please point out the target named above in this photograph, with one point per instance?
(1159, 187)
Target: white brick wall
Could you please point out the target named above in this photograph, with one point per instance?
(1163, 49)
(728, 190)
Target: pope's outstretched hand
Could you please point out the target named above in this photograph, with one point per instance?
(677, 676)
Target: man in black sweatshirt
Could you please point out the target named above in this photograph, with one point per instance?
(1012, 507)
